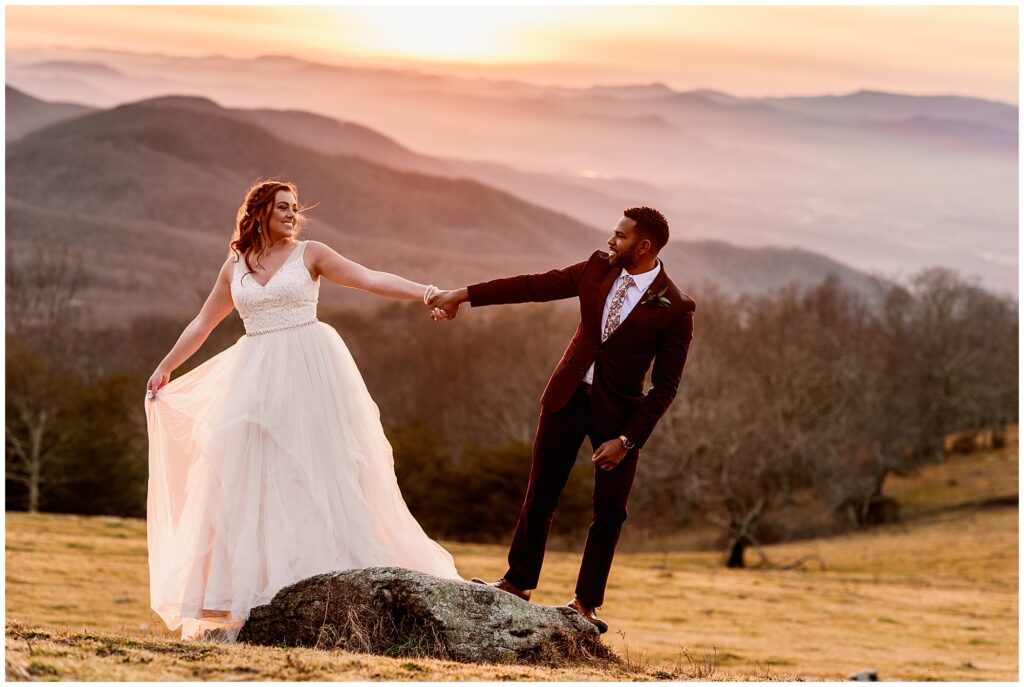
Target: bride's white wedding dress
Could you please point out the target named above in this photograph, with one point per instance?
(268, 464)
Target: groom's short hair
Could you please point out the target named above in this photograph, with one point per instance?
(651, 224)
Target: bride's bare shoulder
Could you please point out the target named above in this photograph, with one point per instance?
(228, 267)
(317, 249)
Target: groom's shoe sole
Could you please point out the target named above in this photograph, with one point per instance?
(505, 586)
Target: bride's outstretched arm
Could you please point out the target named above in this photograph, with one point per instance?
(217, 306)
(337, 269)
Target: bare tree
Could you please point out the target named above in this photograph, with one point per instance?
(816, 396)
(42, 366)
(944, 358)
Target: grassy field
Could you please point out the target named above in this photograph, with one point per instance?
(933, 598)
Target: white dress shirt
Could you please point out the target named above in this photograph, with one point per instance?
(634, 294)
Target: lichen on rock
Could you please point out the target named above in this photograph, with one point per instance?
(398, 612)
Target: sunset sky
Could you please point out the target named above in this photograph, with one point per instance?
(746, 51)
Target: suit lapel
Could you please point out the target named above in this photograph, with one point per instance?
(657, 285)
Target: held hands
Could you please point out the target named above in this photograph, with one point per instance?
(429, 298)
(609, 454)
(445, 304)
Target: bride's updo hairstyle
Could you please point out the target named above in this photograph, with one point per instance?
(251, 236)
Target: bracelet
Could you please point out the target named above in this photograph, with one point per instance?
(429, 293)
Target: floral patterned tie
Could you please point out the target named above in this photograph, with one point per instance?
(615, 310)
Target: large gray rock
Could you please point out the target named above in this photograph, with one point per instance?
(394, 611)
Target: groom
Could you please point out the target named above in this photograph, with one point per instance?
(630, 314)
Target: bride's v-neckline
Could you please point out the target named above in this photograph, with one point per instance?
(281, 267)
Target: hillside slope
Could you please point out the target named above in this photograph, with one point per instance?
(935, 599)
(25, 114)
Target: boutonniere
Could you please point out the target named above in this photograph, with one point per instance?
(657, 299)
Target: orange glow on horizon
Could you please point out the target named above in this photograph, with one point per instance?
(753, 51)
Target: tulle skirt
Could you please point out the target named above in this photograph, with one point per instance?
(268, 464)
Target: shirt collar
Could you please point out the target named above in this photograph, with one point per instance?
(642, 281)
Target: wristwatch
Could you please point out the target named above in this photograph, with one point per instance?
(626, 442)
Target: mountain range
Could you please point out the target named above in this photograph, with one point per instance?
(885, 182)
(146, 193)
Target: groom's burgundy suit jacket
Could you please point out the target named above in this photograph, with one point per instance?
(649, 332)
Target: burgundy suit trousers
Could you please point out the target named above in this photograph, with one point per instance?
(559, 437)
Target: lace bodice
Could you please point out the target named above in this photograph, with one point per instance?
(287, 300)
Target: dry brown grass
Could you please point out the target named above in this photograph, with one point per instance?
(962, 479)
(41, 654)
(932, 599)
(78, 609)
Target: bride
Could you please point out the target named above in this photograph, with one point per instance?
(268, 463)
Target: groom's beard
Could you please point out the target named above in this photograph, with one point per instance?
(623, 260)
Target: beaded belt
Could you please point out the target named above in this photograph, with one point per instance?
(277, 329)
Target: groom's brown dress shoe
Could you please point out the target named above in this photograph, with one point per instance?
(506, 586)
(588, 614)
